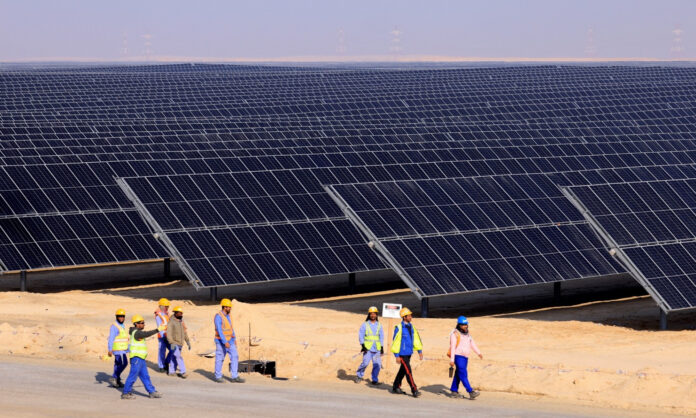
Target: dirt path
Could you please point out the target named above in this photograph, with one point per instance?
(47, 388)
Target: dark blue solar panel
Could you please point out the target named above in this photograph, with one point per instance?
(651, 224)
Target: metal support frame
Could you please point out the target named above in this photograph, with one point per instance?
(663, 320)
(425, 307)
(351, 282)
(163, 238)
(381, 251)
(23, 281)
(167, 267)
(213, 294)
(557, 290)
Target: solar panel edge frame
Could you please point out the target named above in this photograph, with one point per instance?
(620, 254)
(379, 249)
(163, 238)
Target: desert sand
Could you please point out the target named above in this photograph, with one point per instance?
(545, 353)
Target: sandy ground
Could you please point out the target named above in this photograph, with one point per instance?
(544, 355)
(32, 387)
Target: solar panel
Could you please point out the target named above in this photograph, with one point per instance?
(652, 227)
(222, 233)
(456, 235)
(275, 136)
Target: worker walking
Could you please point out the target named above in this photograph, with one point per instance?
(118, 347)
(176, 337)
(406, 341)
(461, 346)
(371, 338)
(225, 343)
(138, 354)
(162, 319)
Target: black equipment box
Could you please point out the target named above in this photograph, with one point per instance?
(263, 367)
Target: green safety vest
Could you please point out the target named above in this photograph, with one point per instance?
(121, 340)
(138, 348)
(371, 338)
(396, 344)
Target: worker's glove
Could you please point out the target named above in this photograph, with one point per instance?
(189, 346)
(162, 328)
(363, 350)
(381, 350)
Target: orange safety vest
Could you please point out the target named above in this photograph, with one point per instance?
(227, 329)
(165, 321)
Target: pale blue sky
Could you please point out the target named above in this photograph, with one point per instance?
(272, 29)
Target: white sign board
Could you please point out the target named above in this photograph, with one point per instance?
(391, 310)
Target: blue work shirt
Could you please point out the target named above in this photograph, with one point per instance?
(113, 333)
(159, 322)
(373, 326)
(406, 348)
(218, 328)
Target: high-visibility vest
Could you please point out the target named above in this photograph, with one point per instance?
(227, 329)
(138, 348)
(396, 345)
(370, 338)
(121, 340)
(165, 321)
(459, 338)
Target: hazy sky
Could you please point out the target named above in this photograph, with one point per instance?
(288, 28)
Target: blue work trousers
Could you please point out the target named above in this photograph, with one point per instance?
(376, 358)
(138, 369)
(220, 353)
(461, 375)
(177, 360)
(164, 354)
(120, 363)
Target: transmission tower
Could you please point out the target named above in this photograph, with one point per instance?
(677, 46)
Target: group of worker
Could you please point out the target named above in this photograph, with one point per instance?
(405, 342)
(125, 345)
(172, 334)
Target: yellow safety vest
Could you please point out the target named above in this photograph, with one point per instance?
(121, 340)
(138, 348)
(371, 338)
(396, 344)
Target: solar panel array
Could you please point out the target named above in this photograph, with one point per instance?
(246, 151)
(653, 226)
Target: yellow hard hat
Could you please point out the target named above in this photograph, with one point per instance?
(226, 303)
(373, 309)
(177, 309)
(164, 302)
(120, 312)
(405, 311)
(137, 318)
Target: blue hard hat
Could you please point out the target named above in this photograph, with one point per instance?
(462, 321)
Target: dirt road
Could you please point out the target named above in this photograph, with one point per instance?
(32, 387)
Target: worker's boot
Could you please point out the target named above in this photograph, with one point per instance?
(238, 380)
(119, 383)
(127, 396)
(155, 395)
(455, 395)
(417, 394)
(112, 382)
(357, 379)
(473, 394)
(183, 375)
(162, 370)
(398, 391)
(219, 380)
